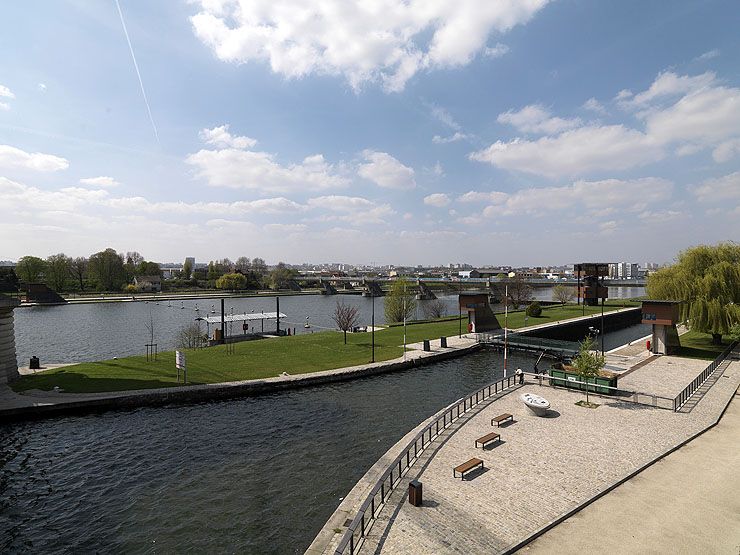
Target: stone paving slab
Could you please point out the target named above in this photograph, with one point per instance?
(666, 376)
(545, 467)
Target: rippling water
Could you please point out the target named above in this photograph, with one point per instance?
(255, 475)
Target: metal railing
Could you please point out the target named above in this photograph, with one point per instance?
(697, 382)
(617, 394)
(356, 532)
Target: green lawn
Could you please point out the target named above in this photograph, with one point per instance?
(699, 345)
(265, 358)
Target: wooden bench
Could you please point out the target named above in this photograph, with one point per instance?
(501, 418)
(488, 438)
(466, 467)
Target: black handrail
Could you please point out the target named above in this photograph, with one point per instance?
(696, 383)
(401, 464)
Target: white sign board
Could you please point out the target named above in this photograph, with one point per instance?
(180, 360)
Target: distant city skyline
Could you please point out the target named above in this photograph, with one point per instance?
(520, 133)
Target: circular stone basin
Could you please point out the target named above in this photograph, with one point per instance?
(535, 403)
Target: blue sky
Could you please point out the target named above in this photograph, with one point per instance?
(422, 132)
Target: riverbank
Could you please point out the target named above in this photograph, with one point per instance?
(299, 354)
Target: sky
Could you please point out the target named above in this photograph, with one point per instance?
(521, 132)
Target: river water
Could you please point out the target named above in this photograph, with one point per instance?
(88, 332)
(253, 475)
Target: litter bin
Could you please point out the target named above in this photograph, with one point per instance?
(415, 493)
(35, 363)
(426, 345)
(443, 342)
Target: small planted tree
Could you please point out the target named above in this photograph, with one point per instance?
(534, 310)
(190, 336)
(345, 317)
(400, 303)
(434, 309)
(563, 294)
(588, 364)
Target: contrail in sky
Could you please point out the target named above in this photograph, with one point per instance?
(136, 66)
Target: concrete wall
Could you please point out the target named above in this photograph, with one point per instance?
(8, 362)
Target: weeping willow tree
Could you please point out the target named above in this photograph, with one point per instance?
(707, 280)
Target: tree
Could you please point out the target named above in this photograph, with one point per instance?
(434, 309)
(78, 271)
(231, 281)
(8, 280)
(30, 268)
(534, 310)
(563, 294)
(57, 271)
(345, 317)
(190, 336)
(399, 302)
(149, 269)
(243, 264)
(106, 268)
(187, 269)
(259, 266)
(133, 257)
(707, 280)
(519, 291)
(588, 362)
(281, 275)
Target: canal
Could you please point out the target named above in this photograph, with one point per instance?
(254, 475)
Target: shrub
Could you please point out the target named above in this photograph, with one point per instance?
(534, 310)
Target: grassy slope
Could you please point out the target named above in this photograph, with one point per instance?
(699, 345)
(261, 359)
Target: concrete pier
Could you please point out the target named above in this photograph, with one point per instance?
(8, 361)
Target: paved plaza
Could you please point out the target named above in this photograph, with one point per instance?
(543, 468)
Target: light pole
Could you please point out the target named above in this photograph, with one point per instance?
(506, 320)
(404, 319)
(372, 326)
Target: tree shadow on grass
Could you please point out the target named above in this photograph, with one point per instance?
(75, 382)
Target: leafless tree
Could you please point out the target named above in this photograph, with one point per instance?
(563, 294)
(190, 336)
(78, 270)
(346, 317)
(434, 309)
(520, 293)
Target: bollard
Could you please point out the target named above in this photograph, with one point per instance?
(415, 496)
(426, 345)
(443, 342)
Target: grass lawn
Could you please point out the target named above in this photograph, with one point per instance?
(695, 344)
(264, 358)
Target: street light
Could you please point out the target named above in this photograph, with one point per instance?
(372, 296)
(506, 319)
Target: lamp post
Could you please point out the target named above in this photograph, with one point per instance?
(404, 319)
(372, 326)
(506, 320)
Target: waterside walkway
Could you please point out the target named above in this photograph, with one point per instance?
(543, 469)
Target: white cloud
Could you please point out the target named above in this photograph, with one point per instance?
(101, 181)
(443, 116)
(607, 228)
(726, 151)
(708, 55)
(496, 51)
(491, 197)
(440, 200)
(245, 169)
(592, 197)
(220, 137)
(537, 119)
(42, 87)
(668, 84)
(4, 106)
(353, 210)
(385, 171)
(594, 105)
(385, 41)
(660, 216)
(11, 157)
(457, 136)
(719, 189)
(577, 152)
(5, 92)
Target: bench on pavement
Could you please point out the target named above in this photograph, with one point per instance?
(502, 418)
(466, 467)
(488, 438)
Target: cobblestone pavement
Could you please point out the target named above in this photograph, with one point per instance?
(651, 508)
(666, 376)
(544, 468)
